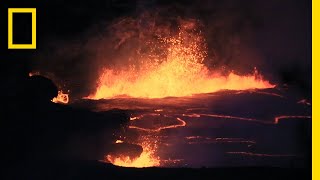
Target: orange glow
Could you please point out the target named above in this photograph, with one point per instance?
(166, 63)
(33, 73)
(182, 123)
(179, 72)
(146, 159)
(119, 141)
(158, 86)
(61, 98)
(277, 119)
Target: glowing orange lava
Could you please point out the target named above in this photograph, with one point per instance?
(180, 72)
(181, 124)
(163, 63)
(146, 159)
(277, 119)
(61, 98)
(119, 141)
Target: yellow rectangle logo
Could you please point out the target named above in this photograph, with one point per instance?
(33, 12)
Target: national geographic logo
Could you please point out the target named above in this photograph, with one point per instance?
(11, 12)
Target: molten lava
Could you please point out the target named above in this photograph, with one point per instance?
(61, 98)
(146, 159)
(182, 123)
(119, 141)
(178, 71)
(163, 63)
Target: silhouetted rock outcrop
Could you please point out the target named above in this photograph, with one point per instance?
(36, 130)
(41, 89)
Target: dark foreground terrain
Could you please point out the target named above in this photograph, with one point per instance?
(88, 170)
(43, 140)
(253, 128)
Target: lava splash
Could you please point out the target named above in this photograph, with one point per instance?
(146, 158)
(164, 63)
(172, 64)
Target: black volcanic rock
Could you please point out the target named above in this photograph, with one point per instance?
(34, 129)
(41, 89)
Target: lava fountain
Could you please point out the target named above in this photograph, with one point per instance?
(178, 70)
(146, 158)
(170, 64)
